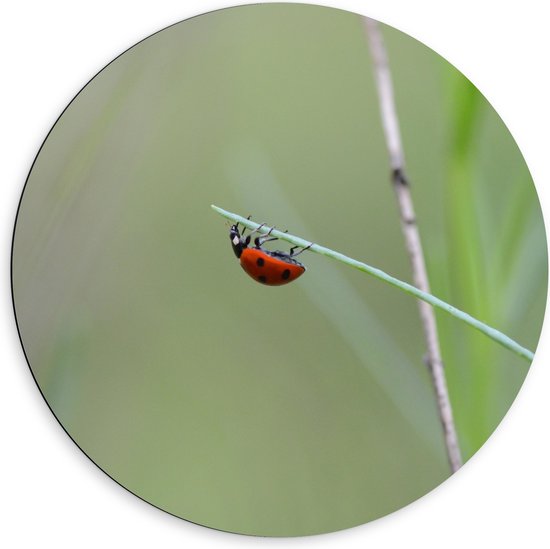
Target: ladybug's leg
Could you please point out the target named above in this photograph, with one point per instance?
(244, 228)
(257, 229)
(265, 238)
(249, 237)
(260, 241)
(292, 254)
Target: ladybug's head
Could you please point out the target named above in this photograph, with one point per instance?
(237, 243)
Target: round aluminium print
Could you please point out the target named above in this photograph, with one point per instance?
(252, 405)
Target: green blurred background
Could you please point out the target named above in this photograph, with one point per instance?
(276, 411)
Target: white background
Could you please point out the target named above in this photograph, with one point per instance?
(51, 494)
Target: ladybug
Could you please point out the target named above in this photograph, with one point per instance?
(269, 268)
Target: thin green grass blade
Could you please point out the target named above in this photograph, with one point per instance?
(494, 334)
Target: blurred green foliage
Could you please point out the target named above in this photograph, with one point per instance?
(273, 411)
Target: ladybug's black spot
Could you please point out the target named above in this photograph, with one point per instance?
(262, 278)
(260, 262)
(286, 274)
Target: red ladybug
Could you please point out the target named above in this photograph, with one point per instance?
(270, 268)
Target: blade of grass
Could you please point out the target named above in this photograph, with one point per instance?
(468, 260)
(493, 333)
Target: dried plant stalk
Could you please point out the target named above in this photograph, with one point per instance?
(413, 243)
